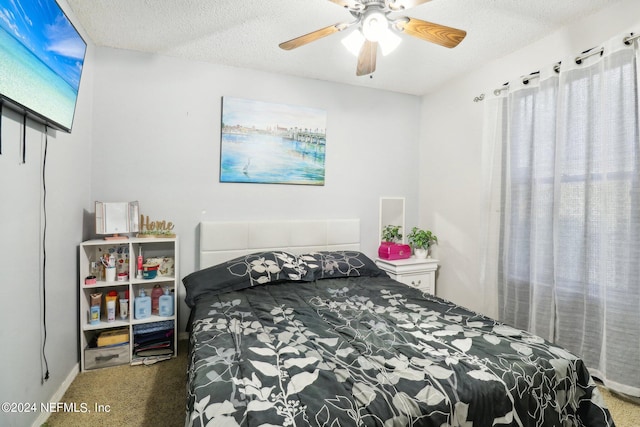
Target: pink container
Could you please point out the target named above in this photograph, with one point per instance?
(388, 250)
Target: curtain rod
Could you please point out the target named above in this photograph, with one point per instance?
(584, 55)
(630, 39)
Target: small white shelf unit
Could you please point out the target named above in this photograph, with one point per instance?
(418, 273)
(127, 251)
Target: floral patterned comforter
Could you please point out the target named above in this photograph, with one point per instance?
(370, 351)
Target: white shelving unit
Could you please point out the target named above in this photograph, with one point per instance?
(126, 252)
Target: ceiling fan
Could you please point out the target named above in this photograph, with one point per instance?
(375, 25)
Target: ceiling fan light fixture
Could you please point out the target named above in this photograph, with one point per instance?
(374, 25)
(353, 42)
(389, 42)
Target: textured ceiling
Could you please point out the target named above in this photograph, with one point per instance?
(246, 33)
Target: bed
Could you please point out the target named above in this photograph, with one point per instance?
(291, 325)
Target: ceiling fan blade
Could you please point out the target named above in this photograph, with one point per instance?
(367, 58)
(434, 33)
(404, 4)
(312, 36)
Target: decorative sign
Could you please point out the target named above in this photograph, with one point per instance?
(160, 228)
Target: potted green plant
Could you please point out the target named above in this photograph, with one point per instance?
(421, 241)
(390, 247)
(391, 234)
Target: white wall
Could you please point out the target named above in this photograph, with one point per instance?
(451, 147)
(157, 140)
(68, 174)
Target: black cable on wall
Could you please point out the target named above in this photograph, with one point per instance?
(44, 255)
(43, 277)
(24, 138)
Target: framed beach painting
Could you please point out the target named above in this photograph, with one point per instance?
(269, 143)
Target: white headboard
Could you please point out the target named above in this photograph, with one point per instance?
(222, 241)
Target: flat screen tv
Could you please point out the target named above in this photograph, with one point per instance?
(41, 60)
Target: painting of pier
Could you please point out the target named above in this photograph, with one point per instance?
(270, 143)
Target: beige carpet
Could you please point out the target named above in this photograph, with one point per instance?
(154, 395)
(144, 396)
(625, 411)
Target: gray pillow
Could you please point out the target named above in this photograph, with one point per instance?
(334, 264)
(243, 272)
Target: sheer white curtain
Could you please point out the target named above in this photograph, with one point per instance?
(563, 242)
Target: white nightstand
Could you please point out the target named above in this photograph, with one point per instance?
(414, 272)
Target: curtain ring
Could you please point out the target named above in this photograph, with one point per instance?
(629, 39)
